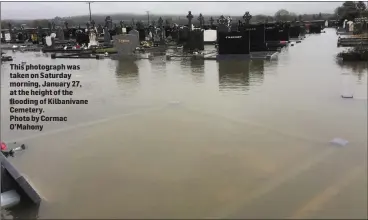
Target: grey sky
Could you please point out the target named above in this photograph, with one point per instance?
(35, 10)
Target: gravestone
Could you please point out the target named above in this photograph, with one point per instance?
(235, 42)
(190, 17)
(142, 34)
(167, 23)
(160, 23)
(92, 39)
(13, 37)
(48, 41)
(247, 17)
(53, 26)
(271, 33)
(3, 36)
(122, 26)
(201, 20)
(209, 36)
(125, 44)
(107, 37)
(284, 32)
(294, 31)
(160, 31)
(66, 25)
(100, 29)
(118, 30)
(195, 40)
(183, 35)
(108, 23)
(81, 37)
(60, 34)
(222, 26)
(256, 37)
(128, 29)
(134, 32)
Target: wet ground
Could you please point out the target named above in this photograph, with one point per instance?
(203, 139)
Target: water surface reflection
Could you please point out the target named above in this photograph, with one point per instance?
(127, 75)
(211, 155)
(239, 76)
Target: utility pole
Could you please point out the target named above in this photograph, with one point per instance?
(90, 14)
(148, 18)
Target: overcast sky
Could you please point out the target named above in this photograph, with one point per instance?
(36, 10)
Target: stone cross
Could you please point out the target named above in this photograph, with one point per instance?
(247, 16)
(190, 17)
(160, 22)
(201, 20)
(221, 20)
(167, 23)
(211, 21)
(133, 23)
(66, 25)
(229, 20)
(60, 33)
(108, 22)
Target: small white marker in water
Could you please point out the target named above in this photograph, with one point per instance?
(339, 142)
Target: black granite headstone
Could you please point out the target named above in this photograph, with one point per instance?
(195, 40)
(183, 35)
(256, 36)
(294, 32)
(271, 33)
(107, 36)
(284, 32)
(233, 43)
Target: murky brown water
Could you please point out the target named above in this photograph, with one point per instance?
(185, 139)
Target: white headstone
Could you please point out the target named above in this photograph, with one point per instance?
(7, 37)
(48, 41)
(210, 35)
(92, 40)
(343, 25)
(351, 26)
(124, 30)
(53, 35)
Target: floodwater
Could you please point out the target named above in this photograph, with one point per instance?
(202, 139)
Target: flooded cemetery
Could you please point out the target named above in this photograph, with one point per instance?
(214, 118)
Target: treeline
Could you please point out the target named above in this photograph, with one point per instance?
(281, 15)
(351, 10)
